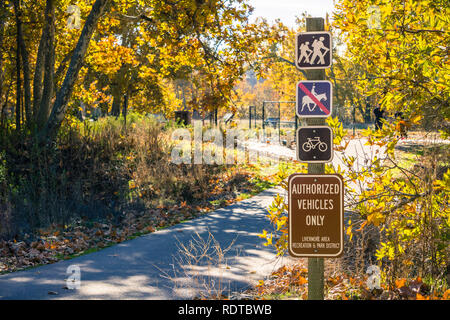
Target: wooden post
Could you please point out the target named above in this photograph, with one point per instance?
(263, 115)
(315, 265)
(279, 123)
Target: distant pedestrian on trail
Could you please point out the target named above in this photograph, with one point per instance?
(378, 118)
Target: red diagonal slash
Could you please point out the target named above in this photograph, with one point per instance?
(313, 98)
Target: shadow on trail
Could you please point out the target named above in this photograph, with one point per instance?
(155, 267)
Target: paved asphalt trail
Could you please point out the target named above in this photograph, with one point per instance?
(139, 268)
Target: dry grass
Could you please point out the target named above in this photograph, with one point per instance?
(103, 184)
(95, 170)
(199, 268)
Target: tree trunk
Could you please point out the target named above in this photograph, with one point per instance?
(26, 81)
(25, 62)
(61, 69)
(119, 83)
(49, 64)
(5, 104)
(117, 98)
(365, 112)
(38, 76)
(367, 117)
(125, 109)
(59, 109)
(18, 87)
(125, 106)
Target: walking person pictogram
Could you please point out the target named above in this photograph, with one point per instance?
(305, 52)
(318, 46)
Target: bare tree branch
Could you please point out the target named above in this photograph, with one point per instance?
(141, 16)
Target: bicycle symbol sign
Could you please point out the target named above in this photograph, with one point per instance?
(314, 144)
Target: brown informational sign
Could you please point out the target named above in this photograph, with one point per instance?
(316, 215)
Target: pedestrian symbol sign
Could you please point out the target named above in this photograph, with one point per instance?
(313, 50)
(314, 98)
(315, 144)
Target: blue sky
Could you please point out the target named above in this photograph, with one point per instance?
(286, 10)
